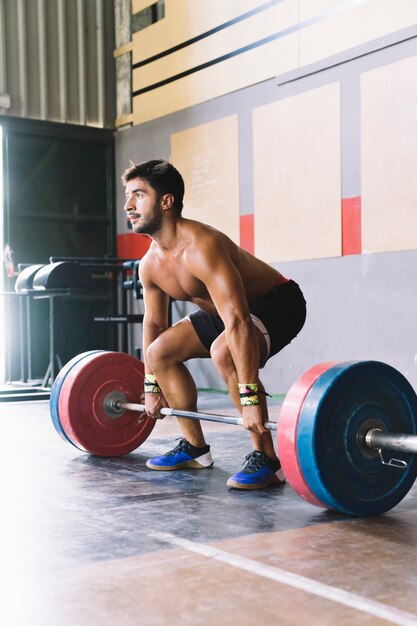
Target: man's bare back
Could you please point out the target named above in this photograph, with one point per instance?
(170, 271)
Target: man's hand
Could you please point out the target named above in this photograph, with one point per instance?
(154, 402)
(253, 419)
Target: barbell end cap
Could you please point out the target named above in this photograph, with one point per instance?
(369, 435)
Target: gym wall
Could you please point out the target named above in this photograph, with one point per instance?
(294, 125)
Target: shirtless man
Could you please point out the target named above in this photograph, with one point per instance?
(247, 312)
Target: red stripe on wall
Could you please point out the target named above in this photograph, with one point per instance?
(247, 239)
(351, 226)
(132, 246)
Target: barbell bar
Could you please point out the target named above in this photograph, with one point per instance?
(116, 407)
(333, 425)
(374, 438)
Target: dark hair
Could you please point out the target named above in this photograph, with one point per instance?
(161, 176)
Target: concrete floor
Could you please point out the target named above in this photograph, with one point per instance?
(90, 541)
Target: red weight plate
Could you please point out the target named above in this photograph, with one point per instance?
(81, 404)
(287, 431)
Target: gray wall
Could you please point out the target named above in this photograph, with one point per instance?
(359, 307)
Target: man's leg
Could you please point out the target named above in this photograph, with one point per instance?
(166, 356)
(262, 468)
(225, 366)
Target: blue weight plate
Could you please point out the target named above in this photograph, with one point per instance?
(56, 389)
(339, 468)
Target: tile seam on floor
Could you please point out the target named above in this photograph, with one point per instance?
(360, 603)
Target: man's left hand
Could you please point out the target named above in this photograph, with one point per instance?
(253, 419)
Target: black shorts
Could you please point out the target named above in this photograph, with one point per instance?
(280, 315)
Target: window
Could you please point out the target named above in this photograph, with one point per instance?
(148, 16)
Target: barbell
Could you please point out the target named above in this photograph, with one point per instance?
(334, 428)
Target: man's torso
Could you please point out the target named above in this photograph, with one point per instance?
(169, 271)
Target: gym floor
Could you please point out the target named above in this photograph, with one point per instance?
(93, 541)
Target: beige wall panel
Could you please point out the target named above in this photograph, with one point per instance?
(235, 73)
(223, 42)
(207, 157)
(185, 19)
(297, 179)
(309, 9)
(389, 157)
(355, 26)
(139, 5)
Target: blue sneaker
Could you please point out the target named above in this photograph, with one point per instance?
(260, 471)
(183, 456)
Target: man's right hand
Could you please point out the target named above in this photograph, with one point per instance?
(154, 402)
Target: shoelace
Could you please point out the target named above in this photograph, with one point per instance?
(255, 461)
(180, 447)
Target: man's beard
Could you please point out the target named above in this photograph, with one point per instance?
(152, 224)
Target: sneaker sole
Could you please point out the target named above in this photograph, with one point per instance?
(185, 465)
(272, 482)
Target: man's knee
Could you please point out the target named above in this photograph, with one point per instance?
(164, 350)
(221, 356)
(157, 353)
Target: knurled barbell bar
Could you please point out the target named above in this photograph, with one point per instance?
(334, 426)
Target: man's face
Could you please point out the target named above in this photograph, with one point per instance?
(143, 207)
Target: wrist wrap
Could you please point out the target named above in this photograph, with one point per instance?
(150, 384)
(248, 393)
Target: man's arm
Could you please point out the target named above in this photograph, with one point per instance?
(210, 262)
(155, 321)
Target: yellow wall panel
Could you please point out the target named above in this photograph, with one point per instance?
(341, 25)
(297, 176)
(207, 156)
(185, 19)
(235, 73)
(223, 42)
(358, 25)
(389, 157)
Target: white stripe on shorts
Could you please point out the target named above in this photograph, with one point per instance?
(260, 325)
